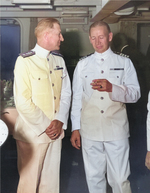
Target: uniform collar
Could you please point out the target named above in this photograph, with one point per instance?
(40, 51)
(103, 55)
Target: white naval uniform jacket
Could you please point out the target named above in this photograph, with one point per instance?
(102, 116)
(41, 92)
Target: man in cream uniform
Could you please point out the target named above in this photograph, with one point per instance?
(42, 96)
(102, 83)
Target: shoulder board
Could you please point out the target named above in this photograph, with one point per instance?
(85, 56)
(56, 54)
(121, 54)
(27, 54)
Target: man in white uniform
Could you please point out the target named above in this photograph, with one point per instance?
(147, 160)
(102, 83)
(42, 96)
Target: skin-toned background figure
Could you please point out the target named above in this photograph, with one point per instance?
(102, 83)
(147, 160)
(42, 96)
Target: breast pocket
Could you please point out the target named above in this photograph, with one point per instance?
(58, 80)
(116, 76)
(40, 82)
(87, 80)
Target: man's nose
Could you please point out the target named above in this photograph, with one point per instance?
(97, 41)
(61, 38)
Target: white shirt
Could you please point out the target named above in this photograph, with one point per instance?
(119, 71)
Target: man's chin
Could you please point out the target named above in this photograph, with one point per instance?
(100, 50)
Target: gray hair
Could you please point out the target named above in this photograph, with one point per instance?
(44, 24)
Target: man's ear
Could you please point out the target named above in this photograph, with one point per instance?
(110, 36)
(90, 39)
(45, 36)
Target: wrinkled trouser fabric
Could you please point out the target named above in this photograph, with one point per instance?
(106, 157)
(38, 167)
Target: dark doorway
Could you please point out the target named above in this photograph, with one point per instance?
(143, 35)
(10, 47)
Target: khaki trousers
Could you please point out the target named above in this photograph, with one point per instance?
(39, 167)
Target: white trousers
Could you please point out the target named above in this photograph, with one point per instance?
(106, 157)
(38, 166)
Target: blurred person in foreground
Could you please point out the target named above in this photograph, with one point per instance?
(42, 96)
(147, 160)
(103, 82)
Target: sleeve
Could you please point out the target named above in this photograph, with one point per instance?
(29, 112)
(129, 91)
(148, 123)
(77, 98)
(65, 99)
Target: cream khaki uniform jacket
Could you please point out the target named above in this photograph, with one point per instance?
(101, 116)
(42, 94)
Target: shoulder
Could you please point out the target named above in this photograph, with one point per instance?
(86, 57)
(83, 62)
(55, 53)
(22, 59)
(121, 54)
(27, 54)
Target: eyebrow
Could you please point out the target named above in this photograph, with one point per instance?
(101, 36)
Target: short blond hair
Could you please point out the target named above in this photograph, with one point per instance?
(45, 24)
(99, 23)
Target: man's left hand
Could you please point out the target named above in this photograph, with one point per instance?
(54, 129)
(101, 85)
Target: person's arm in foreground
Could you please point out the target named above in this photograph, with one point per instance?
(147, 160)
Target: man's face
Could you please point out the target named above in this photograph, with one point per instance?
(54, 37)
(100, 38)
